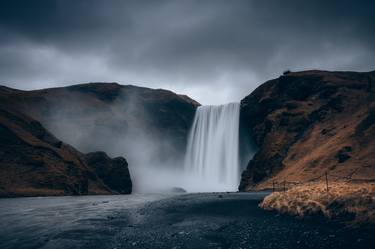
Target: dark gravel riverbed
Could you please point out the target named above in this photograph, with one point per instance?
(209, 220)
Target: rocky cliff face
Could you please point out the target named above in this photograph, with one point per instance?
(117, 119)
(310, 122)
(35, 163)
(111, 171)
(148, 126)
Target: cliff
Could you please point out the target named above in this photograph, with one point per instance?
(117, 119)
(35, 163)
(148, 126)
(308, 123)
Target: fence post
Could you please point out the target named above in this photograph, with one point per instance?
(327, 182)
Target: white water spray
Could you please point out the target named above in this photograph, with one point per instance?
(212, 158)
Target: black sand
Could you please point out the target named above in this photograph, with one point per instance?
(215, 220)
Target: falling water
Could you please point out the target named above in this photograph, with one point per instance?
(212, 157)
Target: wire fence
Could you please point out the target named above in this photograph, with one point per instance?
(327, 178)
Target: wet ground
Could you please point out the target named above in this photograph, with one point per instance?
(214, 220)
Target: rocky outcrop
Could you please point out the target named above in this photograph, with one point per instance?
(307, 123)
(35, 163)
(113, 172)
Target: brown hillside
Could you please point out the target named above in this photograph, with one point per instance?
(35, 163)
(310, 122)
(110, 117)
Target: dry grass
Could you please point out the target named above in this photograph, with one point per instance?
(353, 202)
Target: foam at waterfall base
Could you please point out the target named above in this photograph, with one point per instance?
(159, 180)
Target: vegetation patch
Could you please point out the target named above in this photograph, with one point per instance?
(349, 202)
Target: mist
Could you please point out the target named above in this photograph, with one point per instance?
(168, 144)
(125, 127)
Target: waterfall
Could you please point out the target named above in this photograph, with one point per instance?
(212, 157)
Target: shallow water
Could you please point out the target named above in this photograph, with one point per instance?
(32, 222)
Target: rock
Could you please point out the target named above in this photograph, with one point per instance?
(113, 172)
(178, 190)
(344, 154)
(33, 162)
(302, 123)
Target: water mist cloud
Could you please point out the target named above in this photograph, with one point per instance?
(121, 124)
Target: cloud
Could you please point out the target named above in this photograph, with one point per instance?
(214, 51)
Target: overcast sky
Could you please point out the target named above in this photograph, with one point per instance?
(214, 51)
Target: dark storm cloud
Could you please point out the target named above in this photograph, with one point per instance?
(215, 51)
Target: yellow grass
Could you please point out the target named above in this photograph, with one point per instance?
(354, 202)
